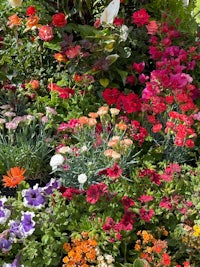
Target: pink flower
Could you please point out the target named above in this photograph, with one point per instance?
(145, 198)
(46, 33)
(127, 202)
(140, 17)
(73, 52)
(109, 224)
(139, 67)
(152, 27)
(146, 215)
(166, 203)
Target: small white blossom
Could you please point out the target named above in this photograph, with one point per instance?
(82, 178)
(56, 160)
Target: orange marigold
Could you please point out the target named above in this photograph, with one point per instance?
(14, 177)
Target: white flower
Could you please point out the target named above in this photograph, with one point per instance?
(109, 258)
(82, 178)
(56, 160)
(4, 215)
(15, 3)
(65, 149)
(84, 148)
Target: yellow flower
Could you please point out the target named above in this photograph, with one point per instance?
(196, 229)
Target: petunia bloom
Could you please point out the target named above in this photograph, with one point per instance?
(14, 177)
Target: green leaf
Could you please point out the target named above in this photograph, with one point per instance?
(123, 75)
(53, 45)
(139, 263)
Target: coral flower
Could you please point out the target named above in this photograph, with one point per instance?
(14, 20)
(14, 177)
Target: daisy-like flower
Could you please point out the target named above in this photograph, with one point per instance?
(33, 198)
(14, 177)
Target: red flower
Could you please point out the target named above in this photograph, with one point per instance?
(59, 20)
(31, 10)
(46, 33)
(114, 172)
(156, 128)
(110, 95)
(95, 191)
(73, 52)
(131, 103)
(127, 202)
(166, 203)
(166, 259)
(140, 17)
(70, 192)
(118, 22)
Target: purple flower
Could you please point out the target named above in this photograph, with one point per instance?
(16, 229)
(4, 215)
(5, 245)
(33, 198)
(27, 222)
(16, 262)
(51, 186)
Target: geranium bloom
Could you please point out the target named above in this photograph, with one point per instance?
(140, 17)
(30, 11)
(46, 33)
(14, 177)
(14, 20)
(59, 20)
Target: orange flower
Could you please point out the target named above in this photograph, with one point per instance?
(14, 20)
(14, 177)
(60, 57)
(32, 21)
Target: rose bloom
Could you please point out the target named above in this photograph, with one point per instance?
(152, 27)
(14, 20)
(59, 20)
(140, 17)
(32, 21)
(46, 33)
(31, 10)
(118, 22)
(15, 3)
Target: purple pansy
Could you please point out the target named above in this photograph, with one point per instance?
(33, 198)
